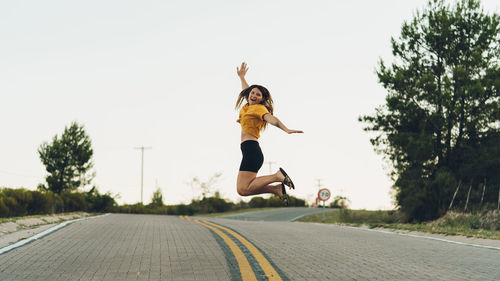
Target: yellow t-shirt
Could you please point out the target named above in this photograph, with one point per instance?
(252, 118)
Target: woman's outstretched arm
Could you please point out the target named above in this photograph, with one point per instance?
(241, 73)
(273, 120)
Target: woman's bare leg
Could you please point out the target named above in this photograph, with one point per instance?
(249, 184)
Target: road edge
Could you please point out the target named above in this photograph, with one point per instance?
(420, 235)
(44, 233)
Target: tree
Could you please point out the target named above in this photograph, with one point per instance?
(340, 202)
(206, 187)
(157, 199)
(67, 159)
(99, 202)
(442, 109)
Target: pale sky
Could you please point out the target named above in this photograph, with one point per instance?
(163, 74)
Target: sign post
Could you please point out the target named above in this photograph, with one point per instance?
(323, 195)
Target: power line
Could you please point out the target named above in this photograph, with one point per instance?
(142, 167)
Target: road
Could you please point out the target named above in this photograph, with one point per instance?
(281, 214)
(148, 247)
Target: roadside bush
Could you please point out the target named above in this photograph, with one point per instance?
(162, 210)
(241, 205)
(17, 201)
(40, 203)
(138, 208)
(489, 220)
(4, 210)
(275, 201)
(209, 205)
(370, 217)
(99, 202)
(13, 207)
(340, 202)
(125, 209)
(184, 210)
(22, 202)
(74, 201)
(296, 202)
(171, 210)
(257, 202)
(55, 202)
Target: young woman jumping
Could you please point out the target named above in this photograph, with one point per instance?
(254, 116)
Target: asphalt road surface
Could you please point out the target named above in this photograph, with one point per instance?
(281, 214)
(149, 247)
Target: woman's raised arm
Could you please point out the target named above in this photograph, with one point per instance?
(273, 120)
(241, 73)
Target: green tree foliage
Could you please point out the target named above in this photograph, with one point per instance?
(67, 159)
(99, 202)
(257, 202)
(340, 202)
(440, 125)
(74, 201)
(22, 202)
(275, 201)
(206, 205)
(214, 204)
(157, 199)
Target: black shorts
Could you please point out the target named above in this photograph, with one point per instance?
(252, 156)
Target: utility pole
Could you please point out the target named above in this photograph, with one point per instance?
(319, 183)
(317, 198)
(319, 187)
(270, 166)
(142, 167)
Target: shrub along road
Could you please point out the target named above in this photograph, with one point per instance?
(153, 247)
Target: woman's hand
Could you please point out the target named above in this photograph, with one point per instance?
(273, 120)
(242, 71)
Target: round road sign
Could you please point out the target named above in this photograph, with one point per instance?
(324, 194)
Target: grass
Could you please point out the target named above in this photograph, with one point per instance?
(354, 217)
(483, 225)
(447, 230)
(242, 211)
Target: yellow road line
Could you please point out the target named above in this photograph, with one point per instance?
(245, 268)
(264, 263)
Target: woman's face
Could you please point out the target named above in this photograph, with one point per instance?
(255, 96)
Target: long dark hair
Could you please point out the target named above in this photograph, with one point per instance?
(267, 100)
